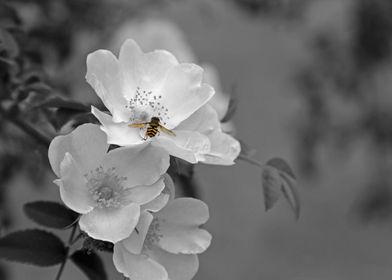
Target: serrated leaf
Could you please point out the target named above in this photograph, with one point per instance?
(281, 165)
(289, 189)
(90, 263)
(34, 246)
(271, 183)
(50, 214)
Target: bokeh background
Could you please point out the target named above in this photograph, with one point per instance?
(313, 85)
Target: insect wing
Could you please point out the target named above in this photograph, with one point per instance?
(168, 131)
(137, 125)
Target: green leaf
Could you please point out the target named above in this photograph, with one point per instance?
(289, 189)
(277, 178)
(90, 263)
(271, 183)
(36, 247)
(50, 214)
(281, 165)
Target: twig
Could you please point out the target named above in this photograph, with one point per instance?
(250, 160)
(70, 242)
(27, 128)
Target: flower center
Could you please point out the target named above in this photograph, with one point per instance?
(153, 235)
(106, 187)
(146, 104)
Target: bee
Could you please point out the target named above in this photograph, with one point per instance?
(153, 128)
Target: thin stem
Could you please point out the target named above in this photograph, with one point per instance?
(27, 128)
(80, 235)
(251, 161)
(70, 240)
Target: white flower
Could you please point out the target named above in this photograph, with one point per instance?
(159, 33)
(107, 188)
(165, 244)
(139, 86)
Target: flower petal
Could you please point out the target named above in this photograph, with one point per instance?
(73, 186)
(137, 267)
(179, 222)
(110, 224)
(142, 164)
(184, 239)
(178, 266)
(220, 101)
(204, 120)
(185, 144)
(224, 149)
(87, 144)
(185, 211)
(161, 200)
(144, 194)
(134, 243)
(103, 74)
(117, 133)
(183, 86)
(145, 70)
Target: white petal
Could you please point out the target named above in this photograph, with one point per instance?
(87, 144)
(117, 133)
(110, 224)
(73, 186)
(205, 120)
(169, 186)
(185, 211)
(103, 74)
(224, 149)
(137, 267)
(134, 243)
(185, 144)
(178, 266)
(161, 200)
(220, 101)
(179, 222)
(145, 70)
(184, 239)
(156, 204)
(142, 164)
(183, 93)
(144, 194)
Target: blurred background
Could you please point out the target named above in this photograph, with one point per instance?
(312, 80)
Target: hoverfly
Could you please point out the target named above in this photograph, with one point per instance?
(153, 127)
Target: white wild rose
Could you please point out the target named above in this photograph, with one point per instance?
(106, 188)
(165, 244)
(139, 86)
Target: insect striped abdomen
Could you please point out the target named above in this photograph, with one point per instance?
(152, 130)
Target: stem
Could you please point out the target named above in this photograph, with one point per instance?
(70, 242)
(27, 128)
(251, 161)
(80, 235)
